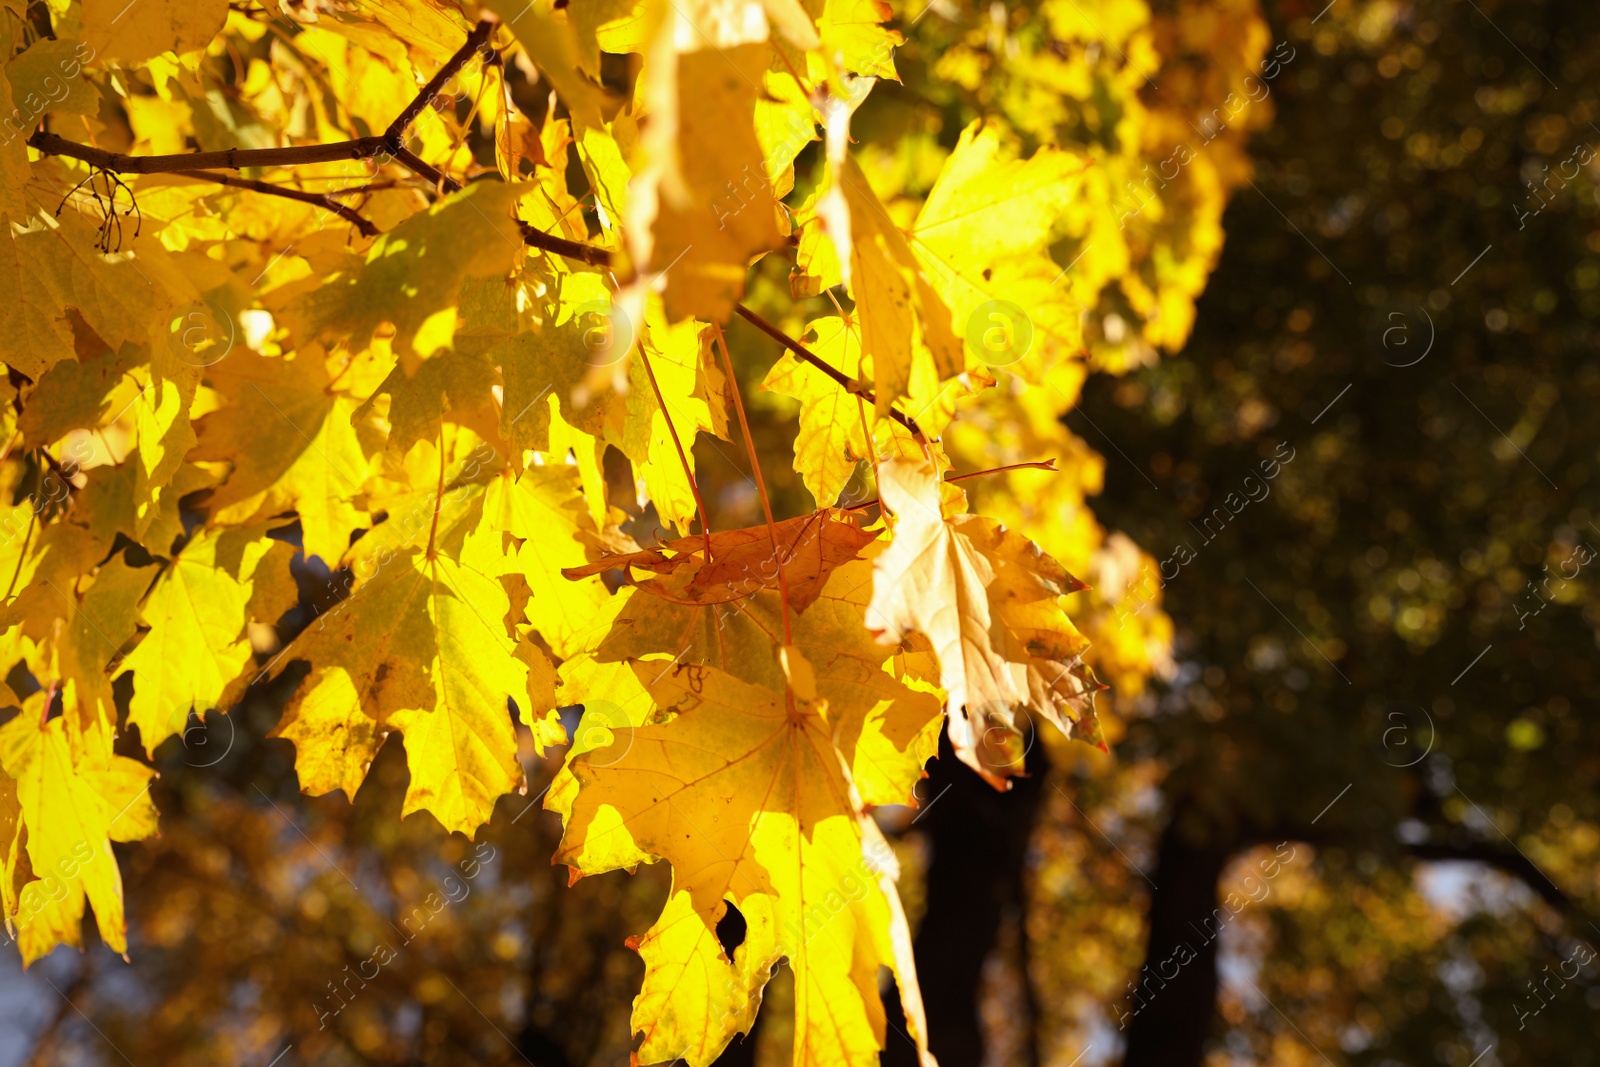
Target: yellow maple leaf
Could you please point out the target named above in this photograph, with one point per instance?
(421, 645)
(134, 33)
(853, 31)
(982, 239)
(55, 267)
(14, 173)
(747, 800)
(291, 444)
(74, 803)
(197, 612)
(552, 357)
(885, 707)
(901, 314)
(430, 29)
(676, 354)
(161, 416)
(77, 632)
(413, 275)
(50, 73)
(990, 602)
(701, 205)
(832, 438)
(542, 511)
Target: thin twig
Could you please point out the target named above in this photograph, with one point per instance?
(844, 381)
(1037, 465)
(349, 190)
(322, 200)
(1030, 465)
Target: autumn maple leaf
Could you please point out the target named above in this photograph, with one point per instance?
(989, 600)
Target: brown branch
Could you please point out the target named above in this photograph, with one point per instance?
(848, 384)
(238, 158)
(322, 200)
(228, 159)
(1515, 864)
(352, 190)
(396, 132)
(549, 242)
(437, 178)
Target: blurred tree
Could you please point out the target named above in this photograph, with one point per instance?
(1387, 651)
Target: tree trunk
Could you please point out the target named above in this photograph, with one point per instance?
(1169, 1016)
(979, 843)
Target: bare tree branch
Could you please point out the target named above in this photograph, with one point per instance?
(228, 159)
(434, 175)
(1515, 864)
(390, 144)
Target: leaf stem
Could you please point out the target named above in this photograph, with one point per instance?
(848, 384)
(683, 458)
(23, 555)
(438, 496)
(761, 482)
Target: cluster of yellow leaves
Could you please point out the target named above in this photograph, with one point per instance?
(1156, 102)
(229, 404)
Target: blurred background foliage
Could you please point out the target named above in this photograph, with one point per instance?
(1371, 672)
